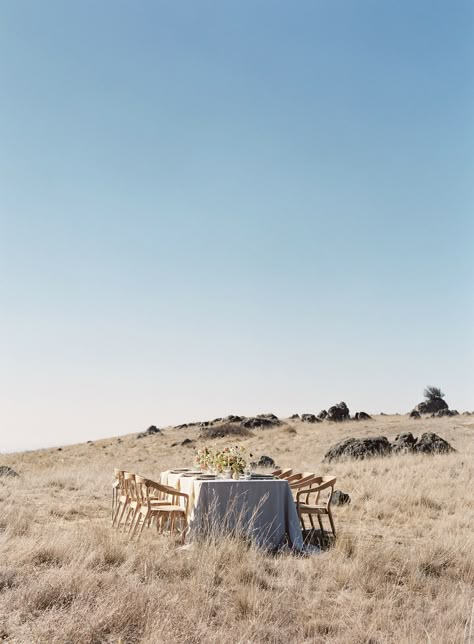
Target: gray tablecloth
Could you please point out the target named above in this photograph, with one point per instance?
(263, 510)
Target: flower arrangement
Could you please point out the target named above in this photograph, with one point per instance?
(229, 458)
(204, 457)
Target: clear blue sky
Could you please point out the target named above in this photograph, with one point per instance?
(231, 207)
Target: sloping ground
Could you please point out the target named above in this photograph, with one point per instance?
(402, 569)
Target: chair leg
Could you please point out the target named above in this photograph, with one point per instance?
(141, 527)
(320, 525)
(117, 509)
(121, 515)
(137, 523)
(302, 522)
(331, 521)
(133, 519)
(127, 516)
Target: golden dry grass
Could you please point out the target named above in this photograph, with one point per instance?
(402, 569)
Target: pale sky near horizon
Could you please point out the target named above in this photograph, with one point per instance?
(231, 207)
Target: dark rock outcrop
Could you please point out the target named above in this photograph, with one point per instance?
(431, 406)
(359, 448)
(153, 429)
(269, 417)
(340, 498)
(338, 413)
(253, 422)
(322, 414)
(431, 443)
(295, 417)
(266, 461)
(226, 430)
(361, 415)
(404, 443)
(415, 414)
(7, 471)
(445, 412)
(310, 418)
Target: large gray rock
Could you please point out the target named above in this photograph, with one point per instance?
(359, 448)
(310, 418)
(431, 443)
(338, 413)
(415, 414)
(7, 471)
(266, 461)
(340, 498)
(250, 423)
(153, 429)
(362, 415)
(445, 412)
(431, 406)
(322, 414)
(404, 443)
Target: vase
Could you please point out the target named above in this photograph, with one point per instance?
(236, 476)
(227, 473)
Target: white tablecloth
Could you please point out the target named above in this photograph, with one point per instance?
(264, 510)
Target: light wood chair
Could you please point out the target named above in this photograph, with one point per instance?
(116, 487)
(309, 501)
(122, 500)
(133, 501)
(282, 474)
(163, 511)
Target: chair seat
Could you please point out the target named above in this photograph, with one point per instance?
(170, 508)
(312, 509)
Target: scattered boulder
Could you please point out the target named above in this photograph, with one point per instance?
(404, 443)
(322, 414)
(358, 448)
(296, 416)
(141, 435)
(310, 418)
(338, 413)
(340, 498)
(445, 412)
(257, 422)
(466, 413)
(431, 443)
(266, 461)
(361, 415)
(269, 417)
(153, 429)
(415, 414)
(60, 449)
(7, 471)
(183, 426)
(187, 441)
(233, 419)
(228, 430)
(431, 406)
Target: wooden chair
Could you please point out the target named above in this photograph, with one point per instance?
(162, 511)
(308, 502)
(122, 500)
(133, 501)
(116, 487)
(282, 474)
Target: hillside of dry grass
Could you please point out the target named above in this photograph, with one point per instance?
(402, 568)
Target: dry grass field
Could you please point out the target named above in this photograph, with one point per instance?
(401, 571)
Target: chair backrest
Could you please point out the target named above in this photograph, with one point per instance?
(299, 478)
(314, 487)
(130, 486)
(141, 487)
(282, 474)
(145, 487)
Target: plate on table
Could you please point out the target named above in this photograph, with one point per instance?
(196, 473)
(206, 477)
(263, 477)
(178, 470)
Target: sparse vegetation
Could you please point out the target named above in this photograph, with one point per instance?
(431, 393)
(402, 568)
